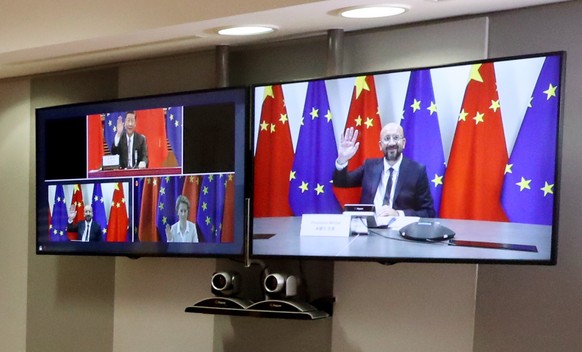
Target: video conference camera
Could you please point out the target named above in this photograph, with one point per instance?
(281, 285)
(225, 283)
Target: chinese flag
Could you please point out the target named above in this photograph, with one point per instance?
(77, 202)
(190, 190)
(118, 220)
(273, 157)
(152, 124)
(474, 176)
(95, 141)
(228, 218)
(364, 117)
(148, 231)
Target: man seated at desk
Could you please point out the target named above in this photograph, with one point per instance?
(396, 185)
(130, 145)
(88, 230)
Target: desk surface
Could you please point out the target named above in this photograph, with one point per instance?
(387, 243)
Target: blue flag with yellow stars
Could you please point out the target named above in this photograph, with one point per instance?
(310, 189)
(211, 207)
(59, 219)
(422, 131)
(529, 184)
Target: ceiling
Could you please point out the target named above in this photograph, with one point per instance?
(39, 36)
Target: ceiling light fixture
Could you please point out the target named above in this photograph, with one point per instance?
(246, 30)
(372, 11)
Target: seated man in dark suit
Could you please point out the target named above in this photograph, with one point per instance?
(130, 145)
(396, 185)
(88, 230)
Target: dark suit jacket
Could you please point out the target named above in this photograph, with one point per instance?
(412, 193)
(139, 146)
(95, 231)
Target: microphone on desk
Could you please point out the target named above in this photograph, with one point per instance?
(426, 230)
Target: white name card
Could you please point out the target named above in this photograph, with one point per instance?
(325, 225)
(110, 160)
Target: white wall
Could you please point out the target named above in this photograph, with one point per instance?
(404, 307)
(150, 297)
(15, 149)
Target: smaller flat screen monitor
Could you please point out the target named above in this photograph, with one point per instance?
(149, 176)
(467, 152)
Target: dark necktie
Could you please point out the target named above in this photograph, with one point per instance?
(388, 188)
(86, 233)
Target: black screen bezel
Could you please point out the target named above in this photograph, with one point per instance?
(237, 96)
(552, 260)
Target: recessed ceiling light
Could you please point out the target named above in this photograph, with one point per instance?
(246, 30)
(372, 11)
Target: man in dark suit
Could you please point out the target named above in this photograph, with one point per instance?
(130, 145)
(88, 230)
(396, 185)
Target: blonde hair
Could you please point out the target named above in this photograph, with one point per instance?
(182, 200)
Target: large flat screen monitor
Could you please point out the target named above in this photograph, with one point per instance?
(149, 176)
(456, 163)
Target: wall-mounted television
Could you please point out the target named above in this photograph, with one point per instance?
(474, 149)
(149, 176)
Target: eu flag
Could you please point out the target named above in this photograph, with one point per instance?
(220, 203)
(310, 190)
(58, 227)
(528, 189)
(211, 207)
(422, 131)
(98, 205)
(170, 189)
(174, 124)
(110, 127)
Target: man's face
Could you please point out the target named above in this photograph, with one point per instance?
(392, 142)
(88, 213)
(130, 124)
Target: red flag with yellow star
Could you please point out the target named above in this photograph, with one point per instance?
(152, 124)
(228, 219)
(364, 117)
(118, 221)
(95, 148)
(147, 229)
(474, 176)
(273, 157)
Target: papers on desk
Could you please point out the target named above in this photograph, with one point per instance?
(396, 222)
